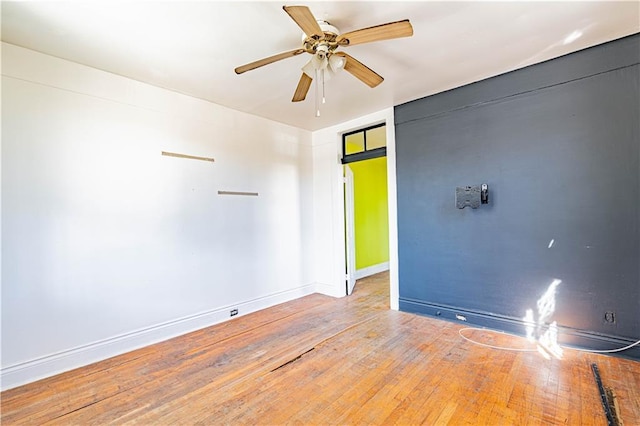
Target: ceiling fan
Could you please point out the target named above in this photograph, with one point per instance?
(321, 40)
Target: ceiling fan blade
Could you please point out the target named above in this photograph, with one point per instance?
(360, 71)
(267, 61)
(305, 20)
(379, 32)
(302, 89)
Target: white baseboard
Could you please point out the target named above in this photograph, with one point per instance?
(60, 362)
(372, 270)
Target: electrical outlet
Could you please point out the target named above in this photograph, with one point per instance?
(234, 312)
(610, 317)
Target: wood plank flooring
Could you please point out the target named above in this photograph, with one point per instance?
(319, 360)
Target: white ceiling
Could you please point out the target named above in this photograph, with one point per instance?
(193, 47)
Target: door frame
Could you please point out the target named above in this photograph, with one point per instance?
(350, 230)
(381, 117)
(328, 205)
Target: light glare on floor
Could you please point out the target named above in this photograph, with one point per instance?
(546, 335)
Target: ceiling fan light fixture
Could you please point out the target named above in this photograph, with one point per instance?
(336, 63)
(314, 64)
(330, 65)
(309, 69)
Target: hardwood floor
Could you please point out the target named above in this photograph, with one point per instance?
(319, 360)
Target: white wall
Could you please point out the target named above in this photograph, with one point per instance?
(107, 245)
(328, 206)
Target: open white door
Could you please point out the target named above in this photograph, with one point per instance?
(350, 229)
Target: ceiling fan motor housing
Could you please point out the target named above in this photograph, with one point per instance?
(324, 45)
(328, 28)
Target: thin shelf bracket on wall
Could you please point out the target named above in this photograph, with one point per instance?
(249, 194)
(189, 157)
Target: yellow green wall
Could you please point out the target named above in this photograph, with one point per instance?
(371, 213)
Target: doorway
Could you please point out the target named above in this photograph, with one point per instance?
(366, 203)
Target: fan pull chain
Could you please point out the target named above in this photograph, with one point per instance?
(317, 94)
(323, 100)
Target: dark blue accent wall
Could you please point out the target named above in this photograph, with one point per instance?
(558, 143)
